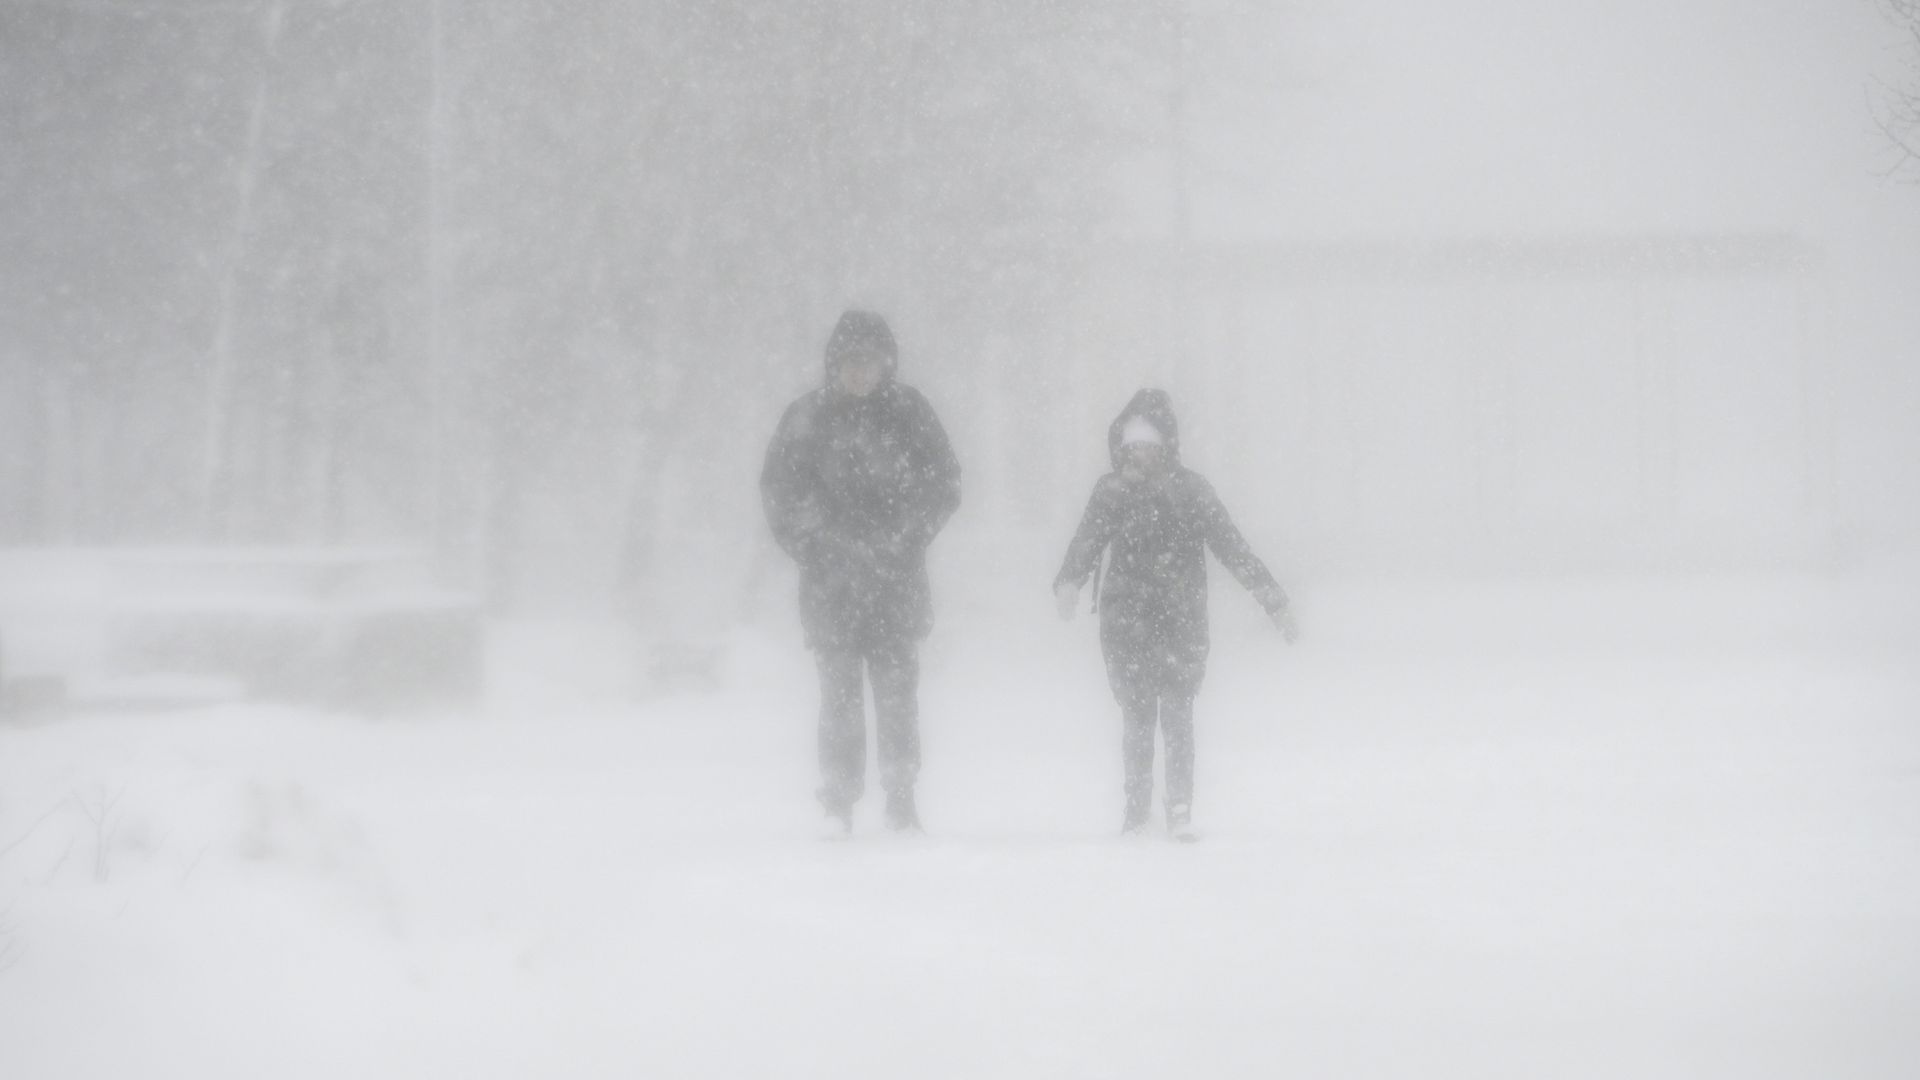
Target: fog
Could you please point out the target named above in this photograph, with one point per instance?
(390, 624)
(1487, 287)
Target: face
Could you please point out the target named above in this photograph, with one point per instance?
(1143, 458)
(859, 375)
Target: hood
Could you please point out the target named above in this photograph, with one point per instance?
(1157, 408)
(860, 332)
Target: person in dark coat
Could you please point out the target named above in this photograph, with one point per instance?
(1156, 517)
(858, 480)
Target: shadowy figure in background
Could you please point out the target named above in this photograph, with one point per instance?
(858, 480)
(1156, 515)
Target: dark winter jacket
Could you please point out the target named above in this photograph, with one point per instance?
(855, 488)
(1153, 595)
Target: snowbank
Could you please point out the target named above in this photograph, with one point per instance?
(1623, 830)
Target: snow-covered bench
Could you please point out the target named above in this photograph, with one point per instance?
(358, 628)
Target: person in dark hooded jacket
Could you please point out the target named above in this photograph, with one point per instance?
(858, 480)
(1156, 518)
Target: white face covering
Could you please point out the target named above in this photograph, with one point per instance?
(1139, 429)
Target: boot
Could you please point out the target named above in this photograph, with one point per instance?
(902, 816)
(837, 820)
(1135, 822)
(1180, 823)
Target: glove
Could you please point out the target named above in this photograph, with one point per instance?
(1283, 622)
(1066, 597)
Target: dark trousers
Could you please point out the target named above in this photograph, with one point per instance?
(1155, 677)
(894, 671)
(1141, 708)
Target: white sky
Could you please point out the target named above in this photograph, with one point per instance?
(1504, 115)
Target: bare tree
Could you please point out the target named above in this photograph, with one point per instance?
(1898, 111)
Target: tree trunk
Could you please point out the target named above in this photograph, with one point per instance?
(213, 464)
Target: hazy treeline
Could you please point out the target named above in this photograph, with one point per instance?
(211, 268)
(487, 272)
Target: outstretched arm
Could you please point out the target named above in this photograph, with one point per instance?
(1237, 555)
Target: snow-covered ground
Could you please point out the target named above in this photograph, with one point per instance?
(1623, 829)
